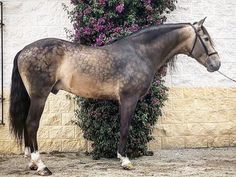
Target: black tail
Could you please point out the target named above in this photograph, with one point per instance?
(19, 103)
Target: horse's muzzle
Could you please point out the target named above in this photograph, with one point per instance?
(213, 64)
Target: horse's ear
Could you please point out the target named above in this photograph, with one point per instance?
(200, 23)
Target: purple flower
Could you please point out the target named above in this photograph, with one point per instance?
(92, 20)
(120, 8)
(110, 39)
(158, 82)
(88, 10)
(87, 30)
(101, 21)
(149, 8)
(102, 2)
(134, 28)
(77, 34)
(100, 39)
(117, 30)
(147, 1)
(99, 28)
(110, 26)
(150, 18)
(155, 101)
(99, 25)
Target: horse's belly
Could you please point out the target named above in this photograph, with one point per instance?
(90, 87)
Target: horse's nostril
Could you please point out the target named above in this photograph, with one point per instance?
(213, 65)
(210, 65)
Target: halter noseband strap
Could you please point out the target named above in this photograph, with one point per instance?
(204, 46)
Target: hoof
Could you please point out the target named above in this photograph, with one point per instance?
(44, 172)
(128, 166)
(33, 167)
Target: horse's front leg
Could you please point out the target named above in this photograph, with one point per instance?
(127, 108)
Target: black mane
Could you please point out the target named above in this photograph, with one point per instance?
(157, 30)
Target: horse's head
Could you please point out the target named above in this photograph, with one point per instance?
(203, 48)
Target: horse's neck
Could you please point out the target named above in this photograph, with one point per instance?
(165, 47)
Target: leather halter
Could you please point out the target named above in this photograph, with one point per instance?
(204, 46)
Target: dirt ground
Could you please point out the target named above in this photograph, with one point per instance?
(192, 162)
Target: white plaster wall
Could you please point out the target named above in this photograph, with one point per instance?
(221, 24)
(29, 20)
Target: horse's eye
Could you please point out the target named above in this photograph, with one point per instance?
(206, 39)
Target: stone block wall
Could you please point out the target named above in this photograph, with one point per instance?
(200, 112)
(197, 118)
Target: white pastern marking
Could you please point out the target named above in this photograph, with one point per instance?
(124, 160)
(27, 152)
(35, 159)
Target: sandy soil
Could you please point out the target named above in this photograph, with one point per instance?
(192, 162)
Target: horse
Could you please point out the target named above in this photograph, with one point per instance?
(121, 71)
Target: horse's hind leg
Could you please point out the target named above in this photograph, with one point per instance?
(127, 108)
(37, 104)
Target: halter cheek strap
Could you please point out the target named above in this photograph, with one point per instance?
(204, 46)
(195, 41)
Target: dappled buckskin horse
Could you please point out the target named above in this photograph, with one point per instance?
(122, 71)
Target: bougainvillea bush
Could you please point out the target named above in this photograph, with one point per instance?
(96, 23)
(99, 121)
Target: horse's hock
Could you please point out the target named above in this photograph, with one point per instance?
(200, 112)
